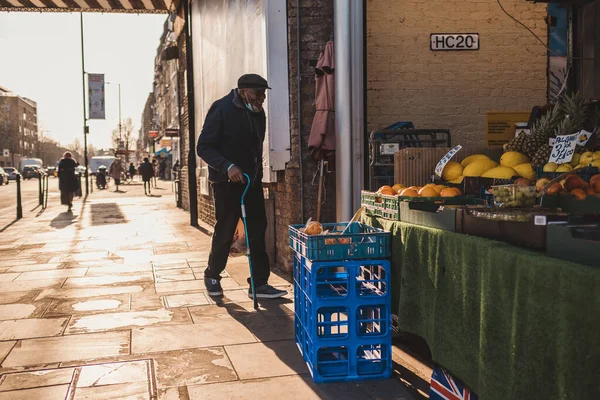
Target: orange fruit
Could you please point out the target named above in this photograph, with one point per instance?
(387, 191)
(410, 193)
(579, 193)
(450, 192)
(415, 188)
(384, 187)
(428, 191)
(397, 187)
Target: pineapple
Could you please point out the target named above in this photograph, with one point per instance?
(541, 156)
(542, 129)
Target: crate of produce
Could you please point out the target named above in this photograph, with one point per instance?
(521, 227)
(342, 318)
(360, 241)
(429, 214)
(383, 213)
(370, 199)
(576, 243)
(514, 196)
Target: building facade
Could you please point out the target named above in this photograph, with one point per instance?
(18, 128)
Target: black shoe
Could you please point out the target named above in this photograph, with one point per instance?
(213, 287)
(267, 292)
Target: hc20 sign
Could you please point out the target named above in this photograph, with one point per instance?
(454, 41)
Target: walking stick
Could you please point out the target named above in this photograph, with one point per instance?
(248, 242)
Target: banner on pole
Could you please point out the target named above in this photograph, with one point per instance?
(96, 96)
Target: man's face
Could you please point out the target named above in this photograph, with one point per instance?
(255, 97)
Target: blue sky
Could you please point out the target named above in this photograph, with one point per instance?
(41, 59)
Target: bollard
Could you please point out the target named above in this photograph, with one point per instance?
(40, 190)
(19, 207)
(46, 192)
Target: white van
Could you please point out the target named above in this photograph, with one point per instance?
(98, 161)
(31, 162)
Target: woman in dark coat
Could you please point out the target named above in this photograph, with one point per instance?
(67, 181)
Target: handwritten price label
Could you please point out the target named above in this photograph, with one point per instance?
(564, 148)
(440, 165)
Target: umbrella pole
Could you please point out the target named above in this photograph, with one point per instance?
(320, 192)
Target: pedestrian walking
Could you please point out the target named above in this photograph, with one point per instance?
(131, 171)
(116, 171)
(231, 143)
(147, 172)
(68, 183)
(162, 169)
(155, 172)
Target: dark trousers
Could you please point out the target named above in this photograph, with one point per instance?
(227, 212)
(147, 183)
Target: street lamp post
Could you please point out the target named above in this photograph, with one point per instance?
(118, 84)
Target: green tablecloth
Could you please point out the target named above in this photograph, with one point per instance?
(511, 323)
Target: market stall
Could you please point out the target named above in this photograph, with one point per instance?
(510, 322)
(494, 256)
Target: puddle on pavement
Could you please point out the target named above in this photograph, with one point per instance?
(103, 322)
(96, 305)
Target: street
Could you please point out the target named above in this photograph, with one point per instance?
(109, 301)
(29, 194)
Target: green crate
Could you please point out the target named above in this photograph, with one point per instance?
(428, 214)
(370, 199)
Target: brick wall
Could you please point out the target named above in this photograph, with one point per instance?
(316, 30)
(454, 90)
(183, 110)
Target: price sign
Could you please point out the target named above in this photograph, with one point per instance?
(440, 165)
(564, 148)
(584, 136)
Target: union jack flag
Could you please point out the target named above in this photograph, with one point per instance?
(445, 387)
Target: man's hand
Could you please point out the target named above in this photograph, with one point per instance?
(235, 174)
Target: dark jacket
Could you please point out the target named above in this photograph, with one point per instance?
(147, 171)
(67, 181)
(232, 135)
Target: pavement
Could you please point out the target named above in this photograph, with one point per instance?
(29, 194)
(108, 302)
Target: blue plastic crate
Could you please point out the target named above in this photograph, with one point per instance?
(357, 280)
(345, 360)
(343, 323)
(359, 242)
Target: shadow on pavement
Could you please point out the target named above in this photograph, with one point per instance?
(107, 214)
(63, 220)
(8, 225)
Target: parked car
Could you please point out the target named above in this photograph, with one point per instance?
(30, 172)
(12, 173)
(3, 177)
(51, 171)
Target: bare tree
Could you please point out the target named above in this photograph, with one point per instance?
(126, 136)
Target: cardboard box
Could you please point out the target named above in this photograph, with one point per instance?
(415, 166)
(500, 127)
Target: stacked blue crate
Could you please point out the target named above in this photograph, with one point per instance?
(342, 317)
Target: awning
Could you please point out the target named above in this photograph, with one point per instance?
(107, 6)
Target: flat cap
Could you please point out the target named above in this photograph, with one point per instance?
(252, 81)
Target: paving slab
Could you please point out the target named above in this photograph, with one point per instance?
(276, 359)
(283, 388)
(88, 306)
(176, 337)
(5, 348)
(42, 393)
(91, 281)
(123, 320)
(118, 269)
(87, 292)
(36, 267)
(16, 311)
(9, 277)
(35, 379)
(114, 373)
(32, 328)
(122, 391)
(141, 302)
(80, 347)
(23, 286)
(193, 367)
(186, 300)
(57, 273)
